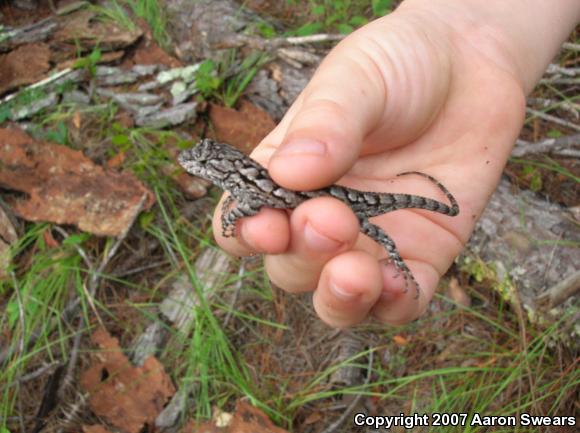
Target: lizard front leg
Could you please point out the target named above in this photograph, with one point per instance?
(230, 215)
(378, 235)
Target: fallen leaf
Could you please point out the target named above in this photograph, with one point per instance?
(245, 419)
(457, 294)
(313, 418)
(249, 419)
(82, 31)
(49, 239)
(77, 120)
(24, 65)
(487, 362)
(149, 53)
(117, 160)
(126, 396)
(95, 428)
(65, 187)
(244, 128)
(399, 340)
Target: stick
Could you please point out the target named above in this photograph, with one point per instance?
(553, 119)
(563, 290)
(549, 145)
(237, 41)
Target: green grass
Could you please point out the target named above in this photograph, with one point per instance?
(510, 376)
(154, 14)
(33, 302)
(342, 16)
(115, 12)
(226, 79)
(151, 11)
(549, 164)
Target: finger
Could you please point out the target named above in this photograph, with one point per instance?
(349, 287)
(319, 229)
(397, 305)
(267, 232)
(372, 89)
(323, 134)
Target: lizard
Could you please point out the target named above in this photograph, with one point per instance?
(251, 188)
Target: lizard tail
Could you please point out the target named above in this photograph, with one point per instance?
(454, 208)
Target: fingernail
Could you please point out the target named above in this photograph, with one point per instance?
(302, 146)
(318, 241)
(342, 293)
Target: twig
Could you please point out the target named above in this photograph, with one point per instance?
(560, 292)
(139, 269)
(21, 313)
(549, 145)
(46, 81)
(552, 119)
(20, 412)
(571, 46)
(314, 39)
(524, 340)
(557, 69)
(348, 411)
(77, 247)
(255, 42)
(545, 103)
(560, 80)
(37, 373)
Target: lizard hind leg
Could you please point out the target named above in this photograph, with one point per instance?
(378, 235)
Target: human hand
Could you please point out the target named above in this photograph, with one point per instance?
(422, 89)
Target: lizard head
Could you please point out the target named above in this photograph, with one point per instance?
(208, 160)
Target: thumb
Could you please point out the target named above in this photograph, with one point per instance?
(378, 89)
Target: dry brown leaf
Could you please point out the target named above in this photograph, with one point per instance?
(24, 65)
(457, 294)
(95, 428)
(117, 160)
(399, 340)
(65, 187)
(249, 419)
(313, 418)
(245, 419)
(77, 120)
(49, 239)
(126, 396)
(149, 53)
(82, 29)
(244, 128)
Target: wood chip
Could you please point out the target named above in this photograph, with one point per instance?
(128, 397)
(65, 187)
